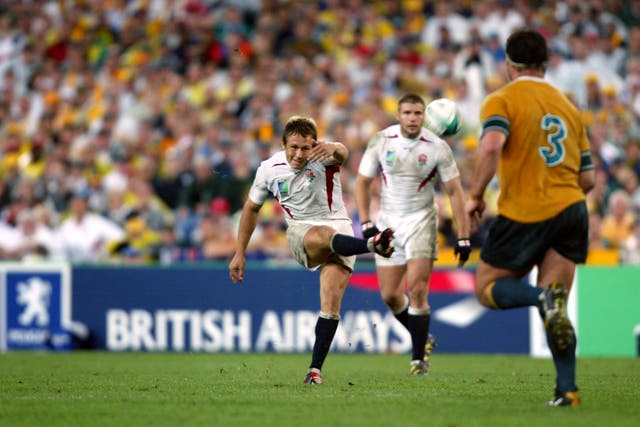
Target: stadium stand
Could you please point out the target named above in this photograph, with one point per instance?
(127, 100)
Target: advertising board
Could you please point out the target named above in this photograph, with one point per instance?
(274, 310)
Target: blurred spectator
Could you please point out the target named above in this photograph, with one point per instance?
(140, 245)
(593, 93)
(86, 236)
(10, 239)
(495, 48)
(269, 241)
(596, 241)
(598, 196)
(445, 18)
(195, 198)
(214, 237)
(36, 240)
(630, 13)
(468, 106)
(632, 154)
(630, 253)
(238, 185)
(473, 65)
(156, 214)
(617, 224)
(629, 183)
(502, 19)
(173, 177)
(168, 250)
(206, 185)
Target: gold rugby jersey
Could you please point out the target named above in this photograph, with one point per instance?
(545, 151)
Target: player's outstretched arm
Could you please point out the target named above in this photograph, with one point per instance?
(456, 196)
(363, 197)
(486, 166)
(248, 221)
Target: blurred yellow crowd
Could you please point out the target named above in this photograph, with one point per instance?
(130, 130)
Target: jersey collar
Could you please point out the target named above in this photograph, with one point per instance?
(531, 78)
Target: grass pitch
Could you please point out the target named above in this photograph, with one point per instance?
(178, 389)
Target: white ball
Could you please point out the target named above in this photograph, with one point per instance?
(442, 117)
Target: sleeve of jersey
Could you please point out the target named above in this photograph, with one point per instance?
(493, 115)
(259, 190)
(369, 164)
(586, 162)
(447, 168)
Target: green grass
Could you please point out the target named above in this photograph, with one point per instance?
(176, 389)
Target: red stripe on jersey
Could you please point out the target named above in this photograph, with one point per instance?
(427, 179)
(278, 164)
(330, 171)
(286, 209)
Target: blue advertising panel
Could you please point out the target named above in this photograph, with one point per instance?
(274, 310)
(35, 306)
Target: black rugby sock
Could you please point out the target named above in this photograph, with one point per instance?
(325, 331)
(508, 292)
(345, 245)
(403, 317)
(565, 362)
(403, 314)
(418, 325)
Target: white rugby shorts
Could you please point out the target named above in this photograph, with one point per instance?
(414, 236)
(295, 236)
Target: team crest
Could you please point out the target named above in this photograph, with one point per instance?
(310, 175)
(390, 157)
(422, 159)
(283, 186)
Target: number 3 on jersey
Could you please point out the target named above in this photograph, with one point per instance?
(558, 133)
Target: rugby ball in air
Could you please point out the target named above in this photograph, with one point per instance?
(442, 117)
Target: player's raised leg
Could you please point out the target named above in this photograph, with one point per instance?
(381, 243)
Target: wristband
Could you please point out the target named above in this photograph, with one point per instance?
(464, 242)
(367, 225)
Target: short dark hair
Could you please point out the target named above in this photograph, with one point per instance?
(527, 48)
(299, 125)
(411, 98)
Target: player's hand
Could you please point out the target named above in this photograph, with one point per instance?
(474, 208)
(462, 251)
(369, 229)
(322, 151)
(236, 268)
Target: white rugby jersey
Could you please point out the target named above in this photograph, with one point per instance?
(409, 168)
(311, 194)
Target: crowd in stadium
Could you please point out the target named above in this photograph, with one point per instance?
(130, 130)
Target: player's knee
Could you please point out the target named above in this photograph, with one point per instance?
(393, 302)
(314, 239)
